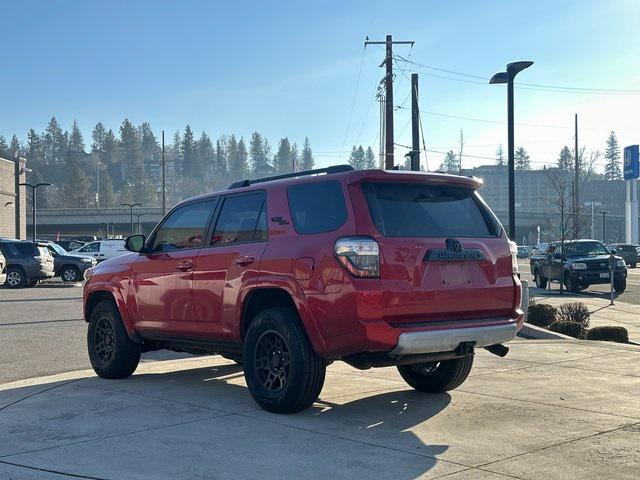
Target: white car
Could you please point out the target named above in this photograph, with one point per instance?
(102, 249)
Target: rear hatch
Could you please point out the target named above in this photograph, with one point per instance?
(442, 253)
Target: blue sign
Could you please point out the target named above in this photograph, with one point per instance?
(631, 162)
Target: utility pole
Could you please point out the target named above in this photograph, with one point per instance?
(415, 125)
(164, 182)
(380, 97)
(388, 83)
(576, 196)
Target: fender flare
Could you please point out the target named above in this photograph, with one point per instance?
(296, 293)
(118, 295)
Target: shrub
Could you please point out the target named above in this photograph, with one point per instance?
(541, 315)
(609, 334)
(574, 312)
(572, 329)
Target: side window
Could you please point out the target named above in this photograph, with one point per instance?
(243, 219)
(26, 249)
(91, 248)
(184, 228)
(317, 207)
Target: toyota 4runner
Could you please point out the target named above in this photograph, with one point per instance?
(286, 274)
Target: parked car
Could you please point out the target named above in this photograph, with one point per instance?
(539, 249)
(27, 263)
(102, 249)
(69, 267)
(70, 245)
(3, 268)
(627, 251)
(289, 273)
(524, 251)
(583, 263)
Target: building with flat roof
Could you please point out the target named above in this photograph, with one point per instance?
(13, 208)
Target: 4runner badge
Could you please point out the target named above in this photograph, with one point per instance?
(280, 220)
(453, 253)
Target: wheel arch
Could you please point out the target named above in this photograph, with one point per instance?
(95, 296)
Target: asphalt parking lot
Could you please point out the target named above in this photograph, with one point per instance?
(42, 332)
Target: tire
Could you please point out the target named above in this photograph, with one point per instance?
(15, 278)
(633, 265)
(571, 285)
(437, 377)
(70, 274)
(111, 351)
(620, 285)
(541, 282)
(292, 377)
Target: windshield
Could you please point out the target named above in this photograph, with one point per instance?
(57, 248)
(584, 249)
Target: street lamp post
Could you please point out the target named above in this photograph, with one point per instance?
(604, 226)
(507, 77)
(34, 203)
(131, 206)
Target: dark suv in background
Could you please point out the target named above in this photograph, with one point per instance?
(627, 251)
(69, 267)
(27, 263)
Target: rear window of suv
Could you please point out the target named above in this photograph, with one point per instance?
(317, 207)
(425, 210)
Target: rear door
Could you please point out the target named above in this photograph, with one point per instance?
(230, 261)
(443, 255)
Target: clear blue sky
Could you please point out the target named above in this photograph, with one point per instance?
(290, 68)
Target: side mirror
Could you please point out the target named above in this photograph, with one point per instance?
(135, 243)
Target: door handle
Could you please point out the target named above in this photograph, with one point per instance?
(244, 260)
(185, 266)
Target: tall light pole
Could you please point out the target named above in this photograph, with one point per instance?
(593, 206)
(131, 206)
(98, 165)
(604, 226)
(507, 77)
(34, 203)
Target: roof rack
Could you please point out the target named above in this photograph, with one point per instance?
(328, 171)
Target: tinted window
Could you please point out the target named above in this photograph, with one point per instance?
(584, 249)
(185, 227)
(91, 248)
(317, 207)
(423, 210)
(26, 249)
(243, 219)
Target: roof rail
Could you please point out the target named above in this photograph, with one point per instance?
(328, 171)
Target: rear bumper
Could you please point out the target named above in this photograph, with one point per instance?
(411, 343)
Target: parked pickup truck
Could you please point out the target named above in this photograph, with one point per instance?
(583, 263)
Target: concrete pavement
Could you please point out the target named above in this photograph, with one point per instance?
(550, 409)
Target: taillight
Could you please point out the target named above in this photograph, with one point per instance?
(513, 250)
(359, 255)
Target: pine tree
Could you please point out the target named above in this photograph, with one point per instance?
(207, 156)
(76, 189)
(188, 149)
(15, 148)
(54, 143)
(150, 153)
(500, 160)
(4, 148)
(521, 159)
(307, 162)
(612, 170)
(369, 159)
(75, 147)
(356, 158)
(259, 156)
(450, 163)
(295, 158)
(98, 137)
(221, 172)
(565, 160)
(34, 150)
(108, 197)
(238, 161)
(283, 157)
(130, 153)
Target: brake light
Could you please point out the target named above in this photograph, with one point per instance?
(359, 255)
(513, 250)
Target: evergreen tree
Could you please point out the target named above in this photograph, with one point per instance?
(565, 160)
(98, 137)
(221, 164)
(76, 190)
(369, 159)
(150, 153)
(130, 153)
(34, 151)
(75, 147)
(259, 156)
(521, 159)
(207, 155)
(238, 162)
(54, 144)
(4, 148)
(500, 160)
(307, 162)
(108, 197)
(612, 170)
(283, 157)
(15, 148)
(189, 151)
(356, 158)
(450, 163)
(109, 158)
(295, 158)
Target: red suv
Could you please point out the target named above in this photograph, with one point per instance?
(289, 273)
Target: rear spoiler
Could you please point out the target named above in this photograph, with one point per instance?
(409, 176)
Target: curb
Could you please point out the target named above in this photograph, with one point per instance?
(539, 333)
